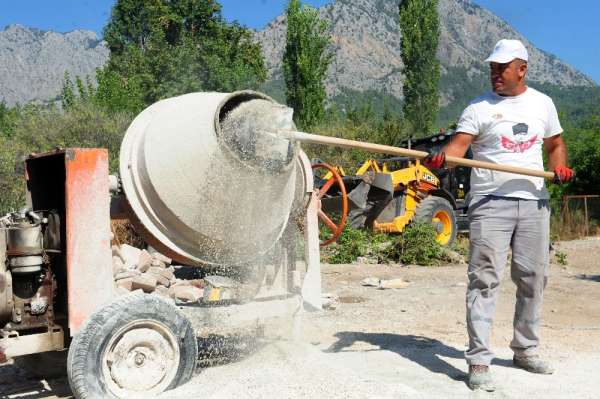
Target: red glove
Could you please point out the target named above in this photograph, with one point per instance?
(562, 174)
(435, 160)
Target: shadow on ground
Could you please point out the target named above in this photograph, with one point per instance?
(426, 352)
(16, 383)
(589, 277)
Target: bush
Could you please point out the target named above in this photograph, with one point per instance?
(561, 258)
(44, 129)
(416, 245)
(349, 246)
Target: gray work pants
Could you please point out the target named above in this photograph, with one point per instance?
(497, 224)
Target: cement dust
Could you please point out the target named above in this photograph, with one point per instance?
(287, 369)
(252, 187)
(257, 189)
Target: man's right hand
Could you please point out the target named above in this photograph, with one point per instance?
(435, 160)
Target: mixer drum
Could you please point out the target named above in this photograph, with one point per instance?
(204, 183)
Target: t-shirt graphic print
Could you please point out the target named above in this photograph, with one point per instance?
(519, 145)
(510, 131)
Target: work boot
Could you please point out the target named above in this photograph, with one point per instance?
(533, 364)
(480, 377)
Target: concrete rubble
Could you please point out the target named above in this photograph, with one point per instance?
(381, 284)
(151, 272)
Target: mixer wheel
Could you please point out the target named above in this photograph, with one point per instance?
(136, 347)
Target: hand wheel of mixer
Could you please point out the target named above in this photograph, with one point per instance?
(333, 177)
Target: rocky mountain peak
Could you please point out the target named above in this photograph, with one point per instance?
(33, 61)
(366, 42)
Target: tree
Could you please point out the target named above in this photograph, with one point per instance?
(162, 48)
(305, 63)
(8, 118)
(67, 94)
(419, 24)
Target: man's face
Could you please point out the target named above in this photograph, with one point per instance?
(507, 78)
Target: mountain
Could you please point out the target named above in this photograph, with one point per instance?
(366, 43)
(33, 62)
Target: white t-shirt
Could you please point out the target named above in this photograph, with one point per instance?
(509, 131)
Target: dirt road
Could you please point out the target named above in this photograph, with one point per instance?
(405, 342)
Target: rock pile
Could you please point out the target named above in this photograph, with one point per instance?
(151, 271)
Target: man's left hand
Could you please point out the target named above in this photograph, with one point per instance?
(562, 174)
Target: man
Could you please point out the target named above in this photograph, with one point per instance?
(508, 125)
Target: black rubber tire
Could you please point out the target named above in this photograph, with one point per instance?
(430, 206)
(84, 365)
(45, 364)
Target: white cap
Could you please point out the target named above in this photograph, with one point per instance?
(507, 50)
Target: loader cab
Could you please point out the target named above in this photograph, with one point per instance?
(456, 180)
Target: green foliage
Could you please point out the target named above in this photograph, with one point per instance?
(419, 23)
(561, 258)
(67, 94)
(116, 93)
(305, 63)
(12, 176)
(165, 48)
(416, 245)
(352, 244)
(463, 88)
(584, 154)
(43, 129)
(377, 130)
(8, 118)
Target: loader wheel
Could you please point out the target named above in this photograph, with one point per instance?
(45, 364)
(136, 347)
(438, 212)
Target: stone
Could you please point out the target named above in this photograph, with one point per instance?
(162, 280)
(122, 291)
(126, 283)
(155, 270)
(144, 262)
(167, 274)
(127, 274)
(330, 301)
(157, 263)
(116, 251)
(454, 257)
(181, 282)
(186, 293)
(370, 282)
(146, 282)
(395, 283)
(130, 255)
(367, 260)
(161, 290)
(158, 256)
(197, 283)
(118, 265)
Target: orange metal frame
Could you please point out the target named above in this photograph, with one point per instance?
(88, 255)
(89, 258)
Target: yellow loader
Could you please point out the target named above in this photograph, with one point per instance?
(387, 195)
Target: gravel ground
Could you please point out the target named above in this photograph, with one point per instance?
(403, 343)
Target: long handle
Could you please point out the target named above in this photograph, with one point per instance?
(386, 149)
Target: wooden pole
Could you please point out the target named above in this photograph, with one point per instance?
(398, 151)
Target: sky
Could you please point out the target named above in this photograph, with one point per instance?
(568, 29)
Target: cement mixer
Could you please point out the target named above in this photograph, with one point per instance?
(204, 187)
(215, 181)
